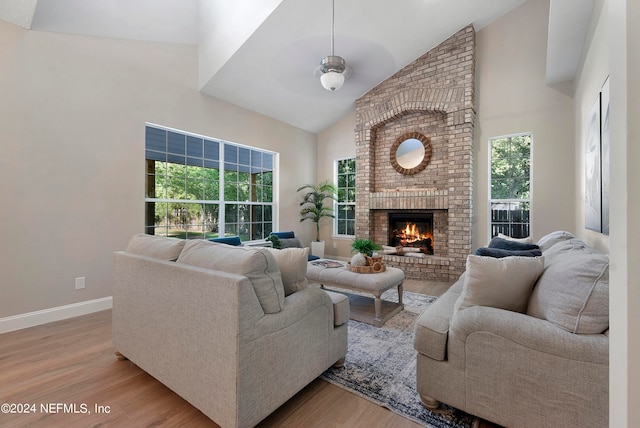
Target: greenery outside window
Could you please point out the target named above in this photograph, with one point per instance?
(345, 205)
(198, 187)
(510, 200)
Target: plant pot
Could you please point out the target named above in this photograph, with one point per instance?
(317, 248)
(358, 259)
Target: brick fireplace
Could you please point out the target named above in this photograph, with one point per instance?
(433, 96)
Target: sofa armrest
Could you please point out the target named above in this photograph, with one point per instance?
(530, 332)
(297, 306)
(432, 326)
(518, 370)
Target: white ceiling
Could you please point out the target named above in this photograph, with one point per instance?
(263, 54)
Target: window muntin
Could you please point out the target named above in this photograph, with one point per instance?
(345, 205)
(510, 185)
(188, 195)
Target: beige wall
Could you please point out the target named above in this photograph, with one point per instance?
(337, 142)
(594, 72)
(72, 116)
(512, 97)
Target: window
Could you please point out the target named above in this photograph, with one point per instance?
(198, 187)
(511, 185)
(345, 206)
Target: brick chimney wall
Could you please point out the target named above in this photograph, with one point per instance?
(434, 95)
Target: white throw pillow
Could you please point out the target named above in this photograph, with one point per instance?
(527, 240)
(550, 239)
(293, 268)
(504, 283)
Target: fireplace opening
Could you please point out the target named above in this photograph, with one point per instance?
(411, 230)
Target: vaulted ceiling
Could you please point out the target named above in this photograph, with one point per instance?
(263, 55)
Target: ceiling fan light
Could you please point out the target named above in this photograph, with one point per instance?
(332, 80)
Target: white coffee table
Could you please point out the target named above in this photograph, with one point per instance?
(375, 283)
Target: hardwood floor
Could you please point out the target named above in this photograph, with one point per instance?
(66, 374)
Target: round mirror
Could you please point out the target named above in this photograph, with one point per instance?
(410, 153)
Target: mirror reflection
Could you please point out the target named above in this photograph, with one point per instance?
(410, 153)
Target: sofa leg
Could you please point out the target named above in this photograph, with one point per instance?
(338, 364)
(429, 403)
(120, 356)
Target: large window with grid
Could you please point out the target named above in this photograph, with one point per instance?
(199, 187)
(345, 204)
(510, 200)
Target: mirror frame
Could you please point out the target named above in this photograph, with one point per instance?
(426, 142)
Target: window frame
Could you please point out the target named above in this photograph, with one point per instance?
(508, 201)
(337, 203)
(223, 164)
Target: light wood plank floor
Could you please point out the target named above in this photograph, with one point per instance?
(71, 363)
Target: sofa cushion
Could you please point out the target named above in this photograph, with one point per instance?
(257, 264)
(292, 263)
(499, 252)
(504, 283)
(573, 291)
(506, 244)
(553, 238)
(159, 247)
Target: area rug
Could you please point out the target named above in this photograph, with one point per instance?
(381, 366)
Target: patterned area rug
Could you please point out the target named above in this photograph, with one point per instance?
(381, 367)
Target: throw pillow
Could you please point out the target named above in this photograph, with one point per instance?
(527, 240)
(499, 253)
(563, 247)
(229, 240)
(504, 283)
(284, 235)
(573, 291)
(257, 264)
(549, 240)
(158, 247)
(506, 244)
(290, 243)
(293, 268)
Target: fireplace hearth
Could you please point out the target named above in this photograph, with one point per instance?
(413, 230)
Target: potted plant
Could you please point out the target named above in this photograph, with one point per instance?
(313, 209)
(364, 248)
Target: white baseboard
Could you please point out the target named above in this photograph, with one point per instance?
(31, 319)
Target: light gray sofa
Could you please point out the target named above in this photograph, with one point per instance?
(232, 330)
(522, 355)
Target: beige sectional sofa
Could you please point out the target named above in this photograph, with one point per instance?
(522, 342)
(233, 330)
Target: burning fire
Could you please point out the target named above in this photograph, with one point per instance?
(411, 234)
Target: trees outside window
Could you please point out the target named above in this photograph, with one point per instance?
(345, 205)
(197, 187)
(510, 200)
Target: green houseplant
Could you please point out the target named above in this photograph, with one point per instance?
(313, 206)
(365, 246)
